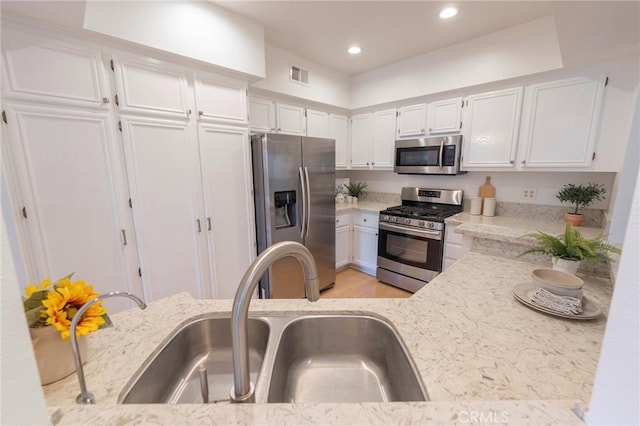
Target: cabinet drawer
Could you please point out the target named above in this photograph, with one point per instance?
(366, 219)
(343, 220)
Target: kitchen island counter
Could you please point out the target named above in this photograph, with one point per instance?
(472, 343)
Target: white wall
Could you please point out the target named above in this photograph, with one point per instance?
(508, 185)
(194, 29)
(22, 398)
(325, 85)
(522, 50)
(625, 180)
(616, 390)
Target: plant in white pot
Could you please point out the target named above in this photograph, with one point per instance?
(580, 196)
(570, 249)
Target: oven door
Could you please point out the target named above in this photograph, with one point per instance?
(409, 251)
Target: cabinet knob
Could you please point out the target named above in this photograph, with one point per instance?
(279, 129)
(105, 100)
(511, 161)
(422, 130)
(430, 129)
(364, 220)
(188, 112)
(200, 113)
(524, 161)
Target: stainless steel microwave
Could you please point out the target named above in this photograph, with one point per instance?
(429, 156)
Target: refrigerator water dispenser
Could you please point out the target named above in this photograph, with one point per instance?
(285, 203)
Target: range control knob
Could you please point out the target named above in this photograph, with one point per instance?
(421, 223)
(407, 221)
(430, 225)
(385, 218)
(393, 219)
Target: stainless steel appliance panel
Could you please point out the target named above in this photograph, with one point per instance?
(435, 155)
(318, 159)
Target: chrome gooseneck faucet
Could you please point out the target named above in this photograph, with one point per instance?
(85, 396)
(243, 390)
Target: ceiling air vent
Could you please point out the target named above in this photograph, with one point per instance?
(299, 75)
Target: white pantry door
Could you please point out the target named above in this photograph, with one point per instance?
(63, 167)
(164, 180)
(226, 180)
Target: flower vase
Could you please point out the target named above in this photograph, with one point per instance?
(54, 355)
(564, 265)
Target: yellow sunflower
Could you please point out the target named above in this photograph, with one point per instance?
(65, 301)
(33, 288)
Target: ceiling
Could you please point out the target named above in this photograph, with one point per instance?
(387, 31)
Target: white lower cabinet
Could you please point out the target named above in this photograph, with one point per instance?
(69, 194)
(455, 246)
(343, 240)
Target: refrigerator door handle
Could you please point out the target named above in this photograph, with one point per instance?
(308, 198)
(303, 222)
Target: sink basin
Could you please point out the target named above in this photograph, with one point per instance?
(172, 375)
(342, 359)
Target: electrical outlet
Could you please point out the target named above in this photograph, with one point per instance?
(529, 193)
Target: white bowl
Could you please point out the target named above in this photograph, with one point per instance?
(558, 282)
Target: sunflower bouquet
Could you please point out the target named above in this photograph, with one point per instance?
(56, 303)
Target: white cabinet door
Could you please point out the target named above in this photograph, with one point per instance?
(52, 71)
(290, 119)
(318, 123)
(226, 180)
(164, 179)
(560, 123)
(444, 116)
(149, 87)
(384, 132)
(261, 115)
(412, 120)
(365, 248)
(340, 132)
(74, 207)
(343, 240)
(361, 141)
(490, 129)
(221, 100)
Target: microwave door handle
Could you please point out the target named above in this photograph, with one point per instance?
(304, 203)
(440, 154)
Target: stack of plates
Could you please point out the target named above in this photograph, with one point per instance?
(523, 291)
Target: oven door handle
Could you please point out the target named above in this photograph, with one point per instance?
(433, 235)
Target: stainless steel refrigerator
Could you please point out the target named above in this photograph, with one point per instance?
(294, 184)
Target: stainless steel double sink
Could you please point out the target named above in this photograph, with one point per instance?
(293, 358)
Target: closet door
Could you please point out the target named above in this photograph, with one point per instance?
(64, 172)
(226, 180)
(164, 179)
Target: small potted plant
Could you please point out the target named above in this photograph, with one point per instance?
(355, 189)
(580, 196)
(570, 249)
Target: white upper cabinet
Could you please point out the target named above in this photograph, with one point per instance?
(226, 183)
(290, 119)
(261, 115)
(444, 116)
(560, 122)
(148, 87)
(339, 131)
(318, 124)
(490, 129)
(412, 120)
(51, 71)
(384, 131)
(222, 100)
(361, 141)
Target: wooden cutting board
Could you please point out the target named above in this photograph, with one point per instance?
(487, 190)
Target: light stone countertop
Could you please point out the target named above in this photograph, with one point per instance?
(373, 206)
(472, 343)
(510, 229)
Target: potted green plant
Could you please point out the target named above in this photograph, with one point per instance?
(580, 196)
(355, 189)
(570, 249)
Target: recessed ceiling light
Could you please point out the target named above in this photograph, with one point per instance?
(354, 50)
(448, 12)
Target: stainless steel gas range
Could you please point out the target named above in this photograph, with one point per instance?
(411, 236)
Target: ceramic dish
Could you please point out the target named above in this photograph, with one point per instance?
(523, 291)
